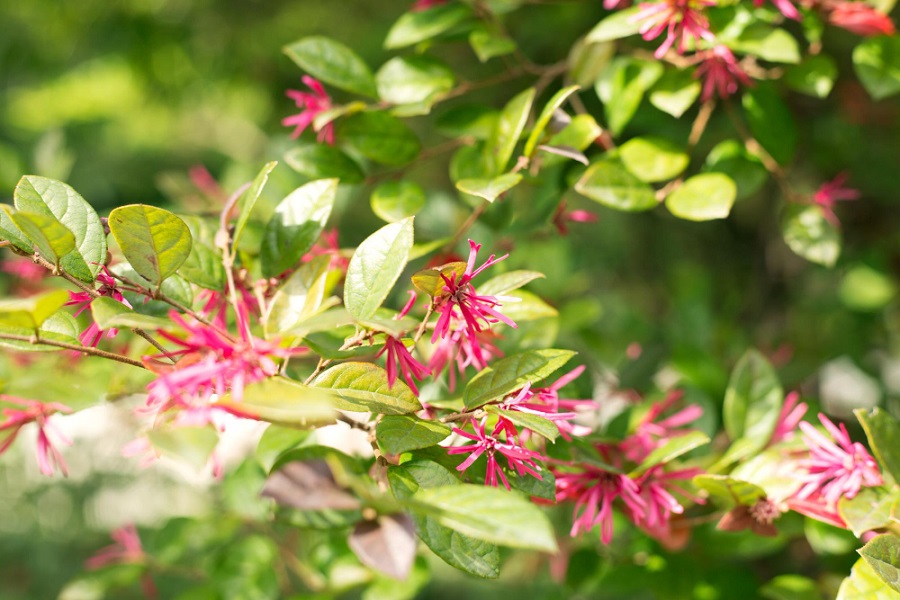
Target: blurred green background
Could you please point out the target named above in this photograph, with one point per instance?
(120, 98)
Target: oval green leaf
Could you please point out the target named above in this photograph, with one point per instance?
(809, 234)
(375, 267)
(414, 27)
(509, 127)
(611, 184)
(333, 63)
(703, 197)
(489, 189)
(413, 80)
(653, 159)
(321, 161)
(511, 373)
(544, 119)
(381, 137)
(247, 201)
(401, 433)
(50, 237)
(394, 201)
(364, 387)
(155, 241)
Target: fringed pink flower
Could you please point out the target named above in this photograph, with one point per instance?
(562, 218)
(836, 468)
(312, 104)
(656, 487)
(520, 459)
(48, 457)
(652, 431)
(546, 403)
(82, 300)
(861, 19)
(420, 5)
(721, 73)
(791, 414)
(831, 192)
(460, 301)
(680, 20)
(464, 350)
(594, 490)
(127, 550)
(399, 357)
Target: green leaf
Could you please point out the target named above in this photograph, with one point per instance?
(814, 77)
(109, 313)
(364, 387)
(653, 159)
(472, 120)
(877, 64)
(203, 267)
(864, 584)
(284, 402)
(609, 183)
(790, 587)
(770, 121)
(544, 119)
(155, 241)
(414, 27)
(869, 509)
(865, 289)
(48, 197)
(191, 445)
(753, 400)
(507, 282)
(296, 225)
(731, 158)
(300, 298)
(671, 450)
(321, 161)
(703, 197)
(477, 557)
(883, 555)
(809, 234)
(511, 373)
(248, 200)
(11, 233)
(503, 140)
(729, 490)
(394, 201)
(375, 267)
(430, 281)
(587, 60)
(489, 514)
(50, 237)
(381, 137)
(535, 423)
(30, 313)
(579, 134)
(618, 25)
(413, 80)
(401, 433)
(622, 87)
(883, 433)
(333, 63)
(489, 189)
(675, 92)
(488, 44)
(58, 327)
(767, 42)
(526, 307)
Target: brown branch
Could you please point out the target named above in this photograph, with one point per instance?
(35, 339)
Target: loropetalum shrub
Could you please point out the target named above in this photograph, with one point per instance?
(479, 428)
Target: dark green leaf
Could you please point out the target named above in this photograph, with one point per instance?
(622, 87)
(401, 433)
(611, 184)
(203, 267)
(468, 120)
(296, 225)
(364, 387)
(511, 373)
(333, 63)
(155, 241)
(380, 137)
(815, 76)
(488, 44)
(375, 267)
(731, 158)
(544, 119)
(394, 201)
(47, 197)
(703, 197)
(587, 60)
(321, 161)
(770, 122)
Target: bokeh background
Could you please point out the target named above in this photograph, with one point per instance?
(122, 98)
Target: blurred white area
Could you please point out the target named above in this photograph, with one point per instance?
(843, 387)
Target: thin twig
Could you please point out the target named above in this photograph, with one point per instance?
(34, 339)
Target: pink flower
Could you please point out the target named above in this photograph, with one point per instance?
(212, 362)
(660, 503)
(23, 268)
(328, 245)
(562, 217)
(518, 457)
(650, 433)
(127, 550)
(546, 403)
(831, 192)
(399, 356)
(680, 19)
(784, 6)
(835, 470)
(420, 5)
(458, 346)
(792, 412)
(476, 311)
(312, 104)
(861, 19)
(91, 336)
(721, 73)
(48, 457)
(594, 491)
